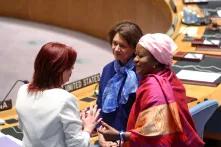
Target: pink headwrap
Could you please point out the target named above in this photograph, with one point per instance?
(161, 46)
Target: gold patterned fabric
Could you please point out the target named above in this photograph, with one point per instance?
(159, 120)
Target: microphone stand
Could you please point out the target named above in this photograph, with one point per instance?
(2, 121)
(4, 99)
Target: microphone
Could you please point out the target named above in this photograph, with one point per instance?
(7, 104)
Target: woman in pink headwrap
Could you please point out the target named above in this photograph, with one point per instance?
(159, 116)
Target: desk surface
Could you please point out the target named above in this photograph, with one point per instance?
(199, 92)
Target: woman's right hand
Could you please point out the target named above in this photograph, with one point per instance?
(90, 118)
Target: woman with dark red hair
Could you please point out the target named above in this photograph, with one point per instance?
(48, 115)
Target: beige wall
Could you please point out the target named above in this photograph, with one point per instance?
(94, 17)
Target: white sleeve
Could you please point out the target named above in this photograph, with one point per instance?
(72, 125)
(20, 125)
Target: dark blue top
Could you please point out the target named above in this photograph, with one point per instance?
(117, 119)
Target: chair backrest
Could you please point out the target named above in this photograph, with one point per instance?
(201, 114)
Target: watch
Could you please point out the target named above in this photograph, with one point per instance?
(122, 136)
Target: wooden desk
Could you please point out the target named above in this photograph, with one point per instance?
(91, 17)
(199, 92)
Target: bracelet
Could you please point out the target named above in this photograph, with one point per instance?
(121, 136)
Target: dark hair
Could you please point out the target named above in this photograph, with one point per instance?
(52, 60)
(131, 32)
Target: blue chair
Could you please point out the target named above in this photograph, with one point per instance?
(212, 128)
(201, 114)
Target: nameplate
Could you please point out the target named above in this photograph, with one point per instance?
(82, 83)
(195, 1)
(6, 105)
(189, 56)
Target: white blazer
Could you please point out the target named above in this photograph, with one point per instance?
(50, 119)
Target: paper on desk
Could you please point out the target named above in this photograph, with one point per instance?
(5, 141)
(211, 42)
(19, 142)
(190, 31)
(198, 76)
(219, 13)
(1, 134)
(194, 56)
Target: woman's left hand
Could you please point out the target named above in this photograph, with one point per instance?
(104, 143)
(109, 133)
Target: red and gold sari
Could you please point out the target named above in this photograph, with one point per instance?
(160, 116)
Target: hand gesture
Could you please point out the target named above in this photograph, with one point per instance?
(104, 143)
(90, 118)
(108, 132)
